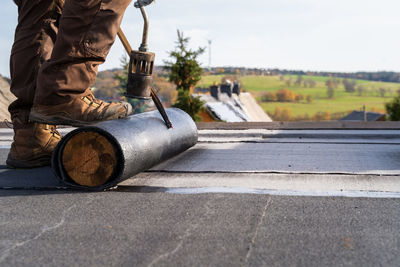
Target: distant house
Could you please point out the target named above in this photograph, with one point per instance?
(361, 116)
(226, 103)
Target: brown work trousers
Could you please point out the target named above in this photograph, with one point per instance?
(57, 49)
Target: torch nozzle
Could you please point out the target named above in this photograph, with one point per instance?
(142, 3)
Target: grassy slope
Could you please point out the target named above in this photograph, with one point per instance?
(342, 101)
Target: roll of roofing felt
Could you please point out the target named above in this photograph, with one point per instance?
(101, 156)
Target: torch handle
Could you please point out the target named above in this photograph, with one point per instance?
(124, 41)
(160, 108)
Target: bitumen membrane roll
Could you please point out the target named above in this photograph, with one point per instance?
(99, 157)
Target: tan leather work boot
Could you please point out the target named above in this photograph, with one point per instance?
(33, 145)
(80, 111)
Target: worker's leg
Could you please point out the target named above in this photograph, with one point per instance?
(87, 31)
(34, 39)
(35, 36)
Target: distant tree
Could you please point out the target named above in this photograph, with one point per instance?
(269, 97)
(310, 83)
(299, 80)
(322, 116)
(336, 82)
(330, 88)
(305, 117)
(360, 90)
(282, 95)
(349, 86)
(299, 97)
(285, 115)
(291, 96)
(313, 83)
(185, 72)
(277, 114)
(282, 114)
(382, 92)
(393, 109)
(330, 92)
(285, 95)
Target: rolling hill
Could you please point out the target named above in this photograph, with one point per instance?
(373, 95)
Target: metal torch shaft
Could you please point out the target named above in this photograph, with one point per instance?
(143, 47)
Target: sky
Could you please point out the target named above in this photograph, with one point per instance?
(314, 35)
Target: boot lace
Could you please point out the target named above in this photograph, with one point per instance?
(92, 101)
(53, 131)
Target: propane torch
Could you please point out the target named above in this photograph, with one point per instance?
(141, 65)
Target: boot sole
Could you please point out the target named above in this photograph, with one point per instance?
(61, 120)
(58, 120)
(28, 164)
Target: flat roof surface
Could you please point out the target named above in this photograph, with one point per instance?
(253, 196)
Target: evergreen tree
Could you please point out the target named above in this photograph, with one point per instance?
(185, 72)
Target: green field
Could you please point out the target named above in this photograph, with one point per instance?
(342, 102)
